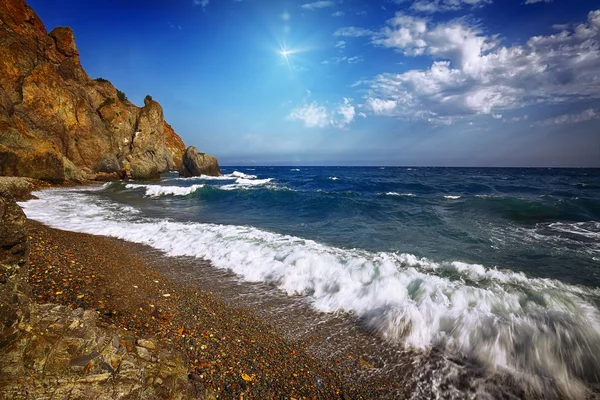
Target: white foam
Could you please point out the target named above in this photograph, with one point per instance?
(588, 229)
(334, 178)
(295, 169)
(539, 328)
(243, 183)
(452, 197)
(226, 177)
(238, 174)
(158, 190)
(400, 194)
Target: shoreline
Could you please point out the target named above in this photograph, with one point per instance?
(230, 351)
(226, 327)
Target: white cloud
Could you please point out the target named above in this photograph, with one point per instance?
(352, 31)
(314, 115)
(381, 107)
(472, 74)
(338, 14)
(432, 6)
(344, 59)
(586, 115)
(517, 119)
(347, 113)
(317, 4)
(202, 3)
(537, 1)
(340, 44)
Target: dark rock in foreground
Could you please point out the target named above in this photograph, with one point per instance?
(53, 352)
(196, 164)
(14, 244)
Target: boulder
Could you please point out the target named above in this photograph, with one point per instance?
(14, 241)
(196, 164)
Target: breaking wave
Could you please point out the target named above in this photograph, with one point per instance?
(542, 330)
(158, 190)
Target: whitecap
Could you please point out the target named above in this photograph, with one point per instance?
(452, 197)
(400, 194)
(158, 190)
(334, 178)
(238, 174)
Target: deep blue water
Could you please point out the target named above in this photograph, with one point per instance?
(545, 222)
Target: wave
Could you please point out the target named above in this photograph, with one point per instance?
(533, 209)
(541, 329)
(158, 190)
(238, 174)
(225, 177)
(244, 183)
(399, 194)
(452, 197)
(334, 178)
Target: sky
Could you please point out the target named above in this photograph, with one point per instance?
(348, 82)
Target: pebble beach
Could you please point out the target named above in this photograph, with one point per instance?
(231, 353)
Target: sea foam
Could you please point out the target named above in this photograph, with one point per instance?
(158, 190)
(541, 329)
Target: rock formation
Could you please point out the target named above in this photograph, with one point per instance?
(196, 164)
(53, 352)
(14, 245)
(175, 145)
(58, 124)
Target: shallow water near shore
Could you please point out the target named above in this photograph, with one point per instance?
(456, 280)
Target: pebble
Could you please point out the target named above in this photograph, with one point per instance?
(229, 349)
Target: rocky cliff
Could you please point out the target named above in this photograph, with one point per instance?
(57, 124)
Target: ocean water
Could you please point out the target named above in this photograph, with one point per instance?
(497, 266)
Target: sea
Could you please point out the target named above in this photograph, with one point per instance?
(478, 282)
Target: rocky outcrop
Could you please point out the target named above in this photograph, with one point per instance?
(14, 244)
(175, 146)
(57, 124)
(53, 352)
(196, 164)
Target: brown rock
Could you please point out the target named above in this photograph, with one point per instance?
(196, 164)
(175, 146)
(14, 243)
(55, 121)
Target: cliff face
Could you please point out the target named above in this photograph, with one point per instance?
(58, 124)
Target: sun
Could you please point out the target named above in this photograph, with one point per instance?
(285, 53)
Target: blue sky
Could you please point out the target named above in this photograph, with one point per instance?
(380, 82)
